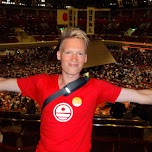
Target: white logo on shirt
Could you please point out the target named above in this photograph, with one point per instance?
(63, 112)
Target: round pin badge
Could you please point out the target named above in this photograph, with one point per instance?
(77, 101)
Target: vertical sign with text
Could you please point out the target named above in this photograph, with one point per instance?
(90, 20)
(71, 17)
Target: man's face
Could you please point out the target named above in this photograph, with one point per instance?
(72, 56)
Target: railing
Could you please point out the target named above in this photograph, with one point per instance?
(55, 43)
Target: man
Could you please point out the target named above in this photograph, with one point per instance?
(66, 122)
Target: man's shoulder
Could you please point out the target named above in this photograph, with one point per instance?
(38, 78)
(99, 82)
(96, 80)
(46, 76)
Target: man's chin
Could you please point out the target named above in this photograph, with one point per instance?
(73, 73)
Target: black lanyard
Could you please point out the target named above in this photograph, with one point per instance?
(66, 90)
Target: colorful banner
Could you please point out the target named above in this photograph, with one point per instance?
(62, 17)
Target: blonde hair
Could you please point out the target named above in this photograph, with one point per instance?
(74, 33)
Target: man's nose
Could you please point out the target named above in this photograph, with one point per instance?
(74, 57)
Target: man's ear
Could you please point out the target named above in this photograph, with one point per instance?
(58, 55)
(86, 57)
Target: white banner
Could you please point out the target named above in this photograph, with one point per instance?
(134, 3)
(149, 2)
(90, 20)
(120, 3)
(75, 17)
(71, 17)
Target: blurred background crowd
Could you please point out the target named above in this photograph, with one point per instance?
(132, 69)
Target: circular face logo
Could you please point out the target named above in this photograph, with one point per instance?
(76, 101)
(63, 112)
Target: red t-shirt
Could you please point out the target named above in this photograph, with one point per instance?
(66, 122)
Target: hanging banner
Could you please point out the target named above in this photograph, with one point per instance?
(149, 2)
(120, 4)
(71, 17)
(62, 17)
(17, 2)
(90, 20)
(75, 17)
(134, 3)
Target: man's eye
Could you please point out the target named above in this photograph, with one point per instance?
(67, 52)
(80, 53)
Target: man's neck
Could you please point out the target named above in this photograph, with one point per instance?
(64, 80)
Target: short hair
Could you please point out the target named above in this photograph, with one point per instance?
(74, 33)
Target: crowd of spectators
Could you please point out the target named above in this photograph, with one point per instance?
(40, 27)
(23, 63)
(46, 28)
(132, 69)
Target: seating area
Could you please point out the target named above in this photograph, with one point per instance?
(43, 28)
(8, 148)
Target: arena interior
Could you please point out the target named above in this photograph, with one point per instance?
(29, 35)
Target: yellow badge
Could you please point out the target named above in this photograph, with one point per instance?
(76, 101)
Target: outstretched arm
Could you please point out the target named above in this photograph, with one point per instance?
(9, 85)
(137, 96)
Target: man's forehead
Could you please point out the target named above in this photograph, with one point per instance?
(74, 49)
(73, 44)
